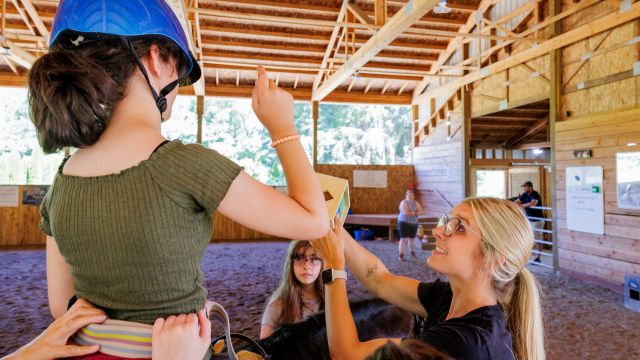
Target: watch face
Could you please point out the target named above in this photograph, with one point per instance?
(327, 276)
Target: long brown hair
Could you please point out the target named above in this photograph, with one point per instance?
(72, 92)
(288, 292)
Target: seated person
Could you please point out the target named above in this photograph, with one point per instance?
(299, 294)
(489, 308)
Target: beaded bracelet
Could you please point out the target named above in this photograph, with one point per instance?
(284, 140)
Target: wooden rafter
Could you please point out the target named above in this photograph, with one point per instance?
(520, 138)
(257, 31)
(360, 14)
(18, 55)
(404, 85)
(394, 27)
(385, 87)
(332, 41)
(211, 13)
(455, 44)
(366, 89)
(595, 27)
(295, 83)
(353, 81)
(380, 12)
(37, 21)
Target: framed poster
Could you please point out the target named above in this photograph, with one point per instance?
(585, 199)
(9, 195)
(628, 180)
(34, 194)
(370, 178)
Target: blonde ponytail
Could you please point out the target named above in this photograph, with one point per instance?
(506, 247)
(524, 316)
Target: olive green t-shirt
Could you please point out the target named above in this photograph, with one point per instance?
(134, 240)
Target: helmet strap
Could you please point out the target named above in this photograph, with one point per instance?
(161, 100)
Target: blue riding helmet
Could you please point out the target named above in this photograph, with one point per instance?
(124, 19)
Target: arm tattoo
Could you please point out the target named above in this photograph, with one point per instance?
(372, 269)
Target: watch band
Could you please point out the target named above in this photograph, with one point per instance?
(329, 275)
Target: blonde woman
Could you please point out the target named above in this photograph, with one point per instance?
(489, 308)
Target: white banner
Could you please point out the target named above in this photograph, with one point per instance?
(585, 199)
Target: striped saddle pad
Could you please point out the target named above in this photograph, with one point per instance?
(133, 340)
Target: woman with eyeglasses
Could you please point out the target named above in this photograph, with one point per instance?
(299, 294)
(488, 309)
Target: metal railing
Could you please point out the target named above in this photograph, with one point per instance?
(542, 240)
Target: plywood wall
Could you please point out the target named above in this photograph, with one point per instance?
(370, 200)
(19, 227)
(438, 166)
(604, 258)
(603, 116)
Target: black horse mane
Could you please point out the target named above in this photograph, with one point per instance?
(308, 339)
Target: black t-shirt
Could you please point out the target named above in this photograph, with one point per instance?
(527, 198)
(480, 334)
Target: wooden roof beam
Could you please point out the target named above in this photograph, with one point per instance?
(37, 21)
(380, 9)
(212, 13)
(585, 31)
(330, 47)
(17, 54)
(298, 5)
(323, 37)
(391, 30)
(450, 4)
(456, 43)
(305, 94)
(522, 137)
(291, 69)
(360, 14)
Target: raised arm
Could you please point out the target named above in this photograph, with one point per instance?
(303, 213)
(375, 277)
(59, 280)
(341, 328)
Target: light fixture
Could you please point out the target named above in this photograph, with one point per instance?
(537, 151)
(632, 144)
(442, 8)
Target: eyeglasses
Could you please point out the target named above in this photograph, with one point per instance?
(452, 225)
(301, 260)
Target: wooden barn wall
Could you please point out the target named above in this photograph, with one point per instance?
(517, 86)
(438, 167)
(19, 227)
(603, 116)
(374, 200)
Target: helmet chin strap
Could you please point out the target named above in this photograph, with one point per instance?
(161, 100)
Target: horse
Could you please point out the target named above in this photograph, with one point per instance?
(307, 339)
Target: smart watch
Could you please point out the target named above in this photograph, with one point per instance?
(329, 275)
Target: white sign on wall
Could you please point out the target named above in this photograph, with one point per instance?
(9, 196)
(370, 178)
(585, 199)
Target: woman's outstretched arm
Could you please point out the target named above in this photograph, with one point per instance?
(341, 328)
(375, 277)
